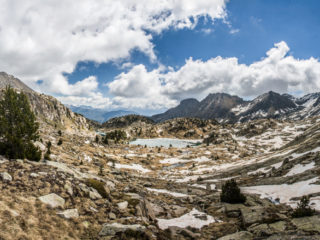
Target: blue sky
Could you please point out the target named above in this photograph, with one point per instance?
(241, 34)
(260, 23)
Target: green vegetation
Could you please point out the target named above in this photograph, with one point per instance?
(303, 209)
(97, 185)
(116, 136)
(18, 127)
(231, 193)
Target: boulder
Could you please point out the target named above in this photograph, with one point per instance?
(233, 210)
(114, 228)
(308, 224)
(34, 175)
(122, 205)
(6, 176)
(68, 188)
(258, 214)
(69, 213)
(112, 216)
(93, 194)
(40, 145)
(238, 236)
(179, 211)
(53, 200)
(268, 229)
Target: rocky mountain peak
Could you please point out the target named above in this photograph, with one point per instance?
(47, 109)
(9, 80)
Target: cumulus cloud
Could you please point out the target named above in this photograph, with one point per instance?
(41, 40)
(196, 78)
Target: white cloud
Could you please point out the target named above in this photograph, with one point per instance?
(139, 89)
(41, 40)
(234, 31)
(197, 78)
(93, 99)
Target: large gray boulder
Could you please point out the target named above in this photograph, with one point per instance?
(53, 200)
(69, 213)
(307, 224)
(238, 236)
(6, 176)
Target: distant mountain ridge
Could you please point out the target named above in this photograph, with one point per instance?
(99, 115)
(227, 108)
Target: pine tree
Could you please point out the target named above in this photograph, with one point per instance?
(231, 193)
(18, 127)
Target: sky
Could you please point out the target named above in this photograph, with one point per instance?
(148, 55)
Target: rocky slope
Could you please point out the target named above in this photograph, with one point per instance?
(49, 110)
(90, 190)
(167, 193)
(227, 108)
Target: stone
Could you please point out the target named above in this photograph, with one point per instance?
(114, 228)
(279, 226)
(233, 210)
(84, 188)
(40, 145)
(53, 200)
(68, 188)
(34, 175)
(110, 185)
(268, 229)
(93, 194)
(258, 214)
(238, 236)
(112, 216)
(122, 205)
(178, 211)
(308, 224)
(6, 176)
(69, 213)
(158, 210)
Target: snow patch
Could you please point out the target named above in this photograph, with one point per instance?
(195, 219)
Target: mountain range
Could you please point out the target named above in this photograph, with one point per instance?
(229, 109)
(222, 107)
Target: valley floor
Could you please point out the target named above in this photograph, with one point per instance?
(167, 192)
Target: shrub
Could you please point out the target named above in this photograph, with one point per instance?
(59, 142)
(231, 193)
(115, 135)
(18, 127)
(303, 209)
(97, 185)
(48, 152)
(59, 132)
